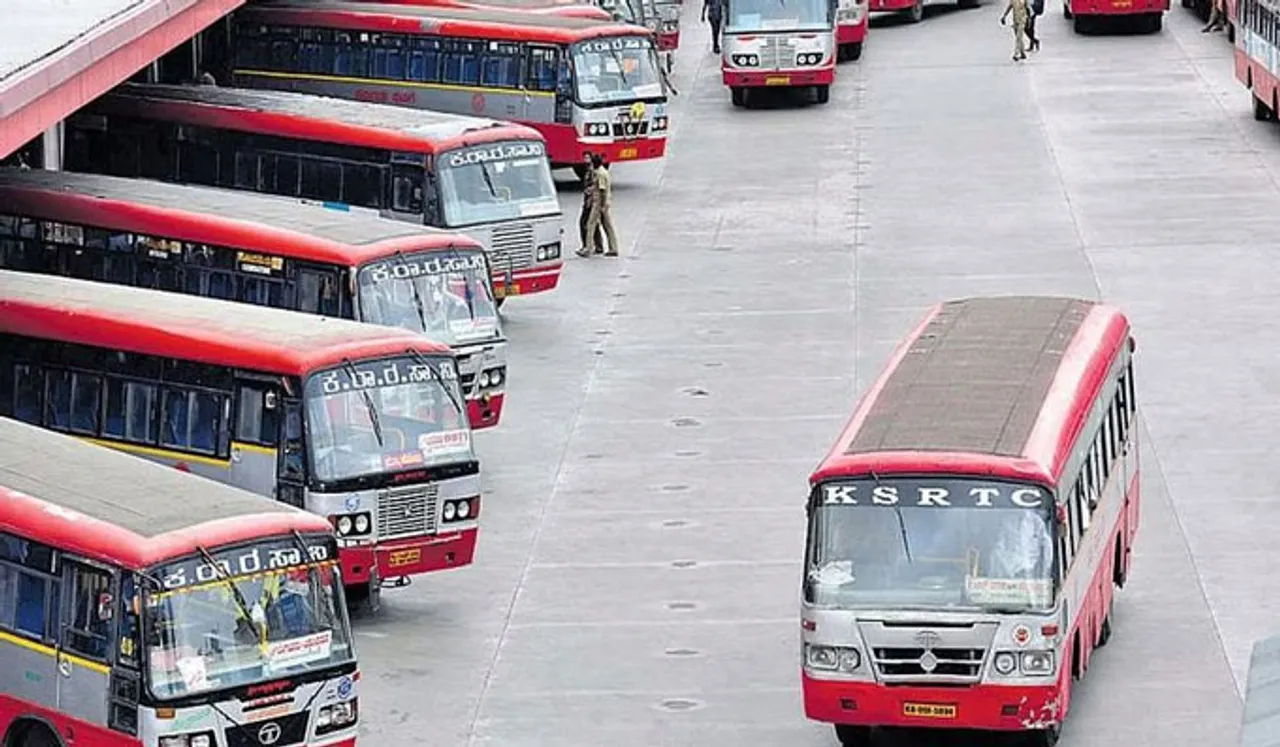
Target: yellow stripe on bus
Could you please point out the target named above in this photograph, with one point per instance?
(181, 456)
(409, 83)
(40, 648)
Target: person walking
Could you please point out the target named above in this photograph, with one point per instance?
(589, 193)
(1217, 17)
(1019, 10)
(713, 13)
(602, 208)
(1037, 10)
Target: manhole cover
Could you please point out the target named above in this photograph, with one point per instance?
(686, 422)
(679, 704)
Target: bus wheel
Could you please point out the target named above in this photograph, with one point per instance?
(1261, 111)
(739, 96)
(915, 14)
(1045, 737)
(1155, 22)
(853, 736)
(851, 51)
(1081, 25)
(1104, 632)
(32, 734)
(823, 93)
(1066, 11)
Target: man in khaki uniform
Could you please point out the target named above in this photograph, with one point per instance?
(602, 208)
(1020, 14)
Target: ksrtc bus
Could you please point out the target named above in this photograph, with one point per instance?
(852, 22)
(262, 250)
(572, 9)
(586, 85)
(1087, 14)
(969, 528)
(148, 608)
(486, 179)
(1257, 55)
(766, 43)
(364, 425)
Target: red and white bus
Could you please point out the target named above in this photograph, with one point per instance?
(486, 179)
(586, 85)
(569, 9)
(1257, 54)
(148, 608)
(970, 526)
(261, 250)
(364, 425)
(766, 43)
(1087, 14)
(852, 21)
(913, 10)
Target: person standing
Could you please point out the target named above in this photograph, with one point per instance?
(1217, 17)
(589, 194)
(602, 208)
(1019, 10)
(1037, 10)
(713, 13)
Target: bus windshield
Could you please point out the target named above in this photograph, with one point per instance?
(491, 183)
(623, 10)
(779, 15)
(213, 630)
(374, 417)
(444, 295)
(616, 70)
(931, 544)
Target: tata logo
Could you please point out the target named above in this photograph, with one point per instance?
(928, 639)
(269, 733)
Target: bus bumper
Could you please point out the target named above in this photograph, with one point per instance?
(409, 557)
(761, 79)
(486, 410)
(852, 33)
(889, 5)
(1117, 7)
(565, 147)
(987, 707)
(527, 282)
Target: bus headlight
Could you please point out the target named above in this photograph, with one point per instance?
(832, 658)
(660, 124)
(362, 523)
(597, 129)
(199, 739)
(461, 509)
(549, 251)
(809, 58)
(450, 511)
(337, 716)
(745, 60)
(347, 525)
(1037, 662)
(1005, 663)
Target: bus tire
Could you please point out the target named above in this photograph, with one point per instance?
(1118, 576)
(1231, 33)
(823, 93)
(1047, 737)
(1155, 22)
(32, 733)
(853, 736)
(1066, 11)
(1261, 111)
(915, 14)
(739, 95)
(366, 599)
(1104, 630)
(1080, 24)
(852, 51)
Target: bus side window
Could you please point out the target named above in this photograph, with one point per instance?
(293, 466)
(130, 609)
(564, 90)
(258, 414)
(192, 420)
(318, 292)
(90, 611)
(407, 185)
(131, 411)
(26, 588)
(28, 393)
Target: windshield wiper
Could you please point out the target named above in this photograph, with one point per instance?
(417, 300)
(622, 73)
(235, 594)
(368, 402)
(422, 361)
(902, 524)
(488, 180)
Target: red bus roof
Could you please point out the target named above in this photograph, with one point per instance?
(307, 117)
(990, 386)
(564, 8)
(120, 509)
(208, 215)
(500, 25)
(228, 333)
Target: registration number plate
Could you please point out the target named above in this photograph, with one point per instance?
(628, 153)
(928, 710)
(404, 557)
(777, 80)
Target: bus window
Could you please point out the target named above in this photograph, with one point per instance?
(543, 64)
(130, 609)
(321, 180)
(262, 291)
(191, 420)
(258, 420)
(318, 292)
(130, 411)
(362, 185)
(91, 610)
(501, 67)
(28, 393)
(72, 401)
(424, 60)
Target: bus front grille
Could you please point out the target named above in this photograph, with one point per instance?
(777, 52)
(407, 511)
(948, 663)
(512, 247)
(292, 730)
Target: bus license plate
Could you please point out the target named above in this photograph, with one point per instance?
(628, 153)
(928, 710)
(777, 80)
(404, 557)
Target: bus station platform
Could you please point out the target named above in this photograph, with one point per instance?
(58, 55)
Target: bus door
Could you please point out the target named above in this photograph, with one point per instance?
(564, 91)
(126, 678)
(257, 422)
(543, 69)
(291, 470)
(85, 644)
